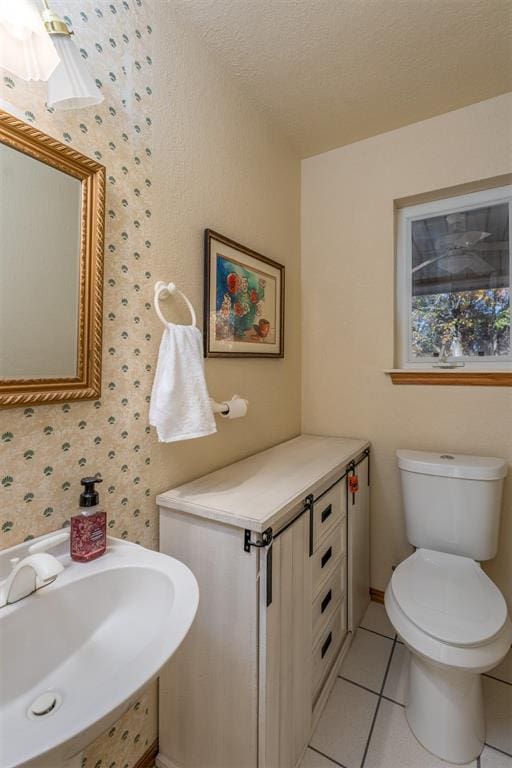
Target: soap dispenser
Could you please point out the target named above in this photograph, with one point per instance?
(88, 537)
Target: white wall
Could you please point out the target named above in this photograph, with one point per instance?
(348, 311)
(220, 164)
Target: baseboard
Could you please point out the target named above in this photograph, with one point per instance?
(164, 762)
(377, 595)
(148, 758)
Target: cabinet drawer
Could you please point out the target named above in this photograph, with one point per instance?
(327, 599)
(325, 559)
(328, 511)
(327, 647)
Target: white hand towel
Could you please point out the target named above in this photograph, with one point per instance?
(180, 407)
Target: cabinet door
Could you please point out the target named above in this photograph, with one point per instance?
(285, 648)
(209, 689)
(359, 548)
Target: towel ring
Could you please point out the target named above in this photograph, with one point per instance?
(162, 291)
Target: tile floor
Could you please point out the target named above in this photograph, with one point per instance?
(363, 724)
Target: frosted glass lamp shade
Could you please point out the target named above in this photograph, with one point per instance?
(70, 85)
(26, 49)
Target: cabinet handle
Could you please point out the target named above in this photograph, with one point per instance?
(269, 575)
(309, 504)
(326, 513)
(325, 646)
(326, 557)
(327, 599)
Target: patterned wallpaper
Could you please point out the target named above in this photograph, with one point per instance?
(44, 451)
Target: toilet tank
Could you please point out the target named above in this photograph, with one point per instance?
(452, 502)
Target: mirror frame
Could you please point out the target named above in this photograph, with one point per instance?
(86, 385)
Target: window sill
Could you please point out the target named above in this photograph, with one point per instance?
(451, 377)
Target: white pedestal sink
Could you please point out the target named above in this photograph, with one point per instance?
(91, 640)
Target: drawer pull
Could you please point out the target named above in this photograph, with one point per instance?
(326, 513)
(327, 599)
(325, 646)
(326, 557)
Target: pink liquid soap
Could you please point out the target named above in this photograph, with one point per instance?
(88, 537)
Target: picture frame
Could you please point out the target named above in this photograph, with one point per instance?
(243, 300)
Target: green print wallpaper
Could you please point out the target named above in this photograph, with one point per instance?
(45, 450)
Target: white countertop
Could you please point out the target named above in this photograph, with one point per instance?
(258, 491)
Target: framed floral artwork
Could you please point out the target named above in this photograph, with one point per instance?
(244, 301)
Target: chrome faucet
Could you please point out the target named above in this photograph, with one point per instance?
(27, 575)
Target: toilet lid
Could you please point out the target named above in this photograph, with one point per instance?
(449, 597)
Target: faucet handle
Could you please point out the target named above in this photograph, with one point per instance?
(48, 543)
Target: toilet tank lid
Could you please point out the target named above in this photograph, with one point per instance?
(459, 465)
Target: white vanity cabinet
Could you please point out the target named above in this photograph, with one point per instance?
(280, 549)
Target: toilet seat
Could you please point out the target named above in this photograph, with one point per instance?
(449, 598)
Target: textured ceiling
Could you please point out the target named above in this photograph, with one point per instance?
(331, 72)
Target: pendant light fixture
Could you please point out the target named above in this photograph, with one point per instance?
(70, 86)
(26, 50)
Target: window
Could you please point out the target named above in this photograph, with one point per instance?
(454, 282)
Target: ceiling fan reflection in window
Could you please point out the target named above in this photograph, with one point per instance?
(458, 251)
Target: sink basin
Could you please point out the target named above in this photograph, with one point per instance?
(91, 640)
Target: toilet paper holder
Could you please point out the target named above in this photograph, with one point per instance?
(230, 409)
(234, 408)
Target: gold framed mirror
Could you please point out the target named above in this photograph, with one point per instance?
(52, 213)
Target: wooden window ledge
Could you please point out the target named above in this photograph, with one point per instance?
(451, 377)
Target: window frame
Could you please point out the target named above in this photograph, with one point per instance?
(403, 301)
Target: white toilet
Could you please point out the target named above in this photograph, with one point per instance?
(443, 606)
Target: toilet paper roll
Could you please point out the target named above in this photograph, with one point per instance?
(237, 408)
